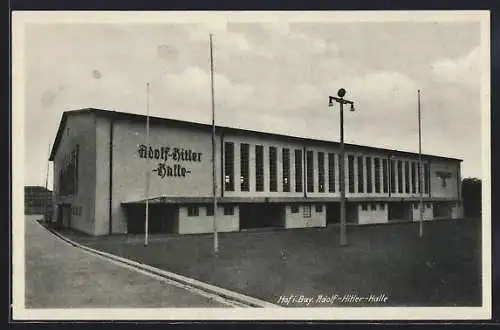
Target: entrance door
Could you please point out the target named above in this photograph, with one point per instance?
(332, 213)
(163, 218)
(261, 216)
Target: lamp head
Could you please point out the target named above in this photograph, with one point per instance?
(330, 101)
(341, 92)
(352, 107)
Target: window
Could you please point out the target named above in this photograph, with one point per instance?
(228, 210)
(407, 177)
(369, 185)
(229, 166)
(415, 206)
(331, 172)
(210, 210)
(426, 178)
(298, 170)
(350, 164)
(319, 208)
(310, 171)
(360, 174)
(373, 206)
(245, 166)
(259, 168)
(392, 172)
(77, 151)
(364, 207)
(382, 206)
(321, 172)
(400, 176)
(273, 169)
(428, 205)
(413, 178)
(307, 211)
(193, 211)
(286, 170)
(376, 164)
(419, 179)
(385, 181)
(294, 208)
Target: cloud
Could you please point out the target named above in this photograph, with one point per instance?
(464, 70)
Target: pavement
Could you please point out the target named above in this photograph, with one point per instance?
(59, 275)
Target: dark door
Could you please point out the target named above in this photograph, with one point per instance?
(333, 212)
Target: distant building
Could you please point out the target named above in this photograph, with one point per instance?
(263, 179)
(35, 200)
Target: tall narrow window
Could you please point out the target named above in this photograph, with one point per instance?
(259, 168)
(400, 176)
(420, 181)
(376, 164)
(426, 178)
(392, 164)
(385, 181)
(298, 170)
(286, 170)
(413, 178)
(77, 151)
(407, 177)
(321, 172)
(331, 172)
(310, 171)
(360, 175)
(273, 169)
(369, 184)
(350, 164)
(244, 166)
(229, 166)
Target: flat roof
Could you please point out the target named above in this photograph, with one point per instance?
(117, 115)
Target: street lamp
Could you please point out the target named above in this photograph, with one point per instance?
(340, 99)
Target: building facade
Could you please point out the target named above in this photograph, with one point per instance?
(262, 180)
(37, 200)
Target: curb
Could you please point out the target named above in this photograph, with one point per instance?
(202, 286)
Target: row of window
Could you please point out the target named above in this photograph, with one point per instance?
(194, 211)
(68, 175)
(382, 181)
(306, 209)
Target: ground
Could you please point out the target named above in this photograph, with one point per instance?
(59, 275)
(443, 268)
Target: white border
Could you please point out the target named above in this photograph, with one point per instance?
(216, 20)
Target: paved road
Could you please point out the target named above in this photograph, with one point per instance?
(59, 275)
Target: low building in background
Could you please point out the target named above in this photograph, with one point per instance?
(37, 200)
(263, 179)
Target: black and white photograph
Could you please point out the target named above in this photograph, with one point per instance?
(251, 165)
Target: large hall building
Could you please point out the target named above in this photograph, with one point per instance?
(263, 179)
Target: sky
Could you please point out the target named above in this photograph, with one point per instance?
(271, 77)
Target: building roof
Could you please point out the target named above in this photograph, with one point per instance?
(117, 115)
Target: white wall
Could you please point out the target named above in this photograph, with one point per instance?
(204, 224)
(451, 188)
(79, 129)
(297, 220)
(370, 216)
(428, 215)
(457, 211)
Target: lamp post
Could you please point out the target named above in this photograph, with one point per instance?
(340, 99)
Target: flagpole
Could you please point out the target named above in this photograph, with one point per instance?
(214, 183)
(421, 205)
(146, 220)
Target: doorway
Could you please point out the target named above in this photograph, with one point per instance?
(163, 219)
(262, 216)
